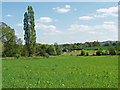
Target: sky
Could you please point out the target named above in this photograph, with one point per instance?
(65, 22)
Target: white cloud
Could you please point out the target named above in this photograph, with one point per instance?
(45, 19)
(92, 32)
(104, 12)
(67, 6)
(49, 29)
(107, 10)
(45, 27)
(61, 10)
(85, 18)
(100, 16)
(56, 32)
(8, 15)
(19, 25)
(75, 28)
(109, 22)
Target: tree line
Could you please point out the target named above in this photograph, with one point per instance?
(12, 46)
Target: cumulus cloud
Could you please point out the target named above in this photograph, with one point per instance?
(74, 28)
(77, 27)
(8, 15)
(49, 29)
(103, 12)
(19, 25)
(85, 18)
(56, 32)
(92, 32)
(107, 10)
(45, 27)
(109, 22)
(67, 6)
(62, 10)
(45, 19)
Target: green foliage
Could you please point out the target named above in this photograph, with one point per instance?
(30, 33)
(93, 54)
(17, 56)
(106, 52)
(46, 55)
(58, 49)
(97, 48)
(87, 54)
(118, 53)
(99, 53)
(112, 50)
(61, 72)
(51, 50)
(117, 47)
(9, 40)
(82, 52)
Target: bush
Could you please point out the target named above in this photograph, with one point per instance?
(79, 55)
(82, 53)
(71, 54)
(93, 54)
(118, 53)
(112, 50)
(17, 56)
(46, 55)
(87, 54)
(103, 53)
(106, 52)
(99, 53)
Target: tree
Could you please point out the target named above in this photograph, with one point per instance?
(51, 50)
(82, 52)
(9, 40)
(58, 49)
(87, 54)
(117, 46)
(106, 52)
(30, 33)
(99, 52)
(111, 50)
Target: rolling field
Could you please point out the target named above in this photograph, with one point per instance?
(61, 72)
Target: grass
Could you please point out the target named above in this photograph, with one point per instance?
(96, 47)
(61, 72)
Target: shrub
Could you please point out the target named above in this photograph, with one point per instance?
(99, 53)
(46, 55)
(93, 54)
(103, 53)
(112, 50)
(78, 54)
(118, 53)
(82, 53)
(71, 54)
(106, 52)
(17, 56)
(87, 54)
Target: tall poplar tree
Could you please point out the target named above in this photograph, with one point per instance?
(30, 33)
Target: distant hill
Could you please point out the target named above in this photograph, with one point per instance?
(108, 42)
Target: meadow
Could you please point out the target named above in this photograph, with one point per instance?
(60, 72)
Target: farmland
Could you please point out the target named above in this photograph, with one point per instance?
(60, 72)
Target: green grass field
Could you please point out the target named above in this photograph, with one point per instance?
(61, 72)
(96, 47)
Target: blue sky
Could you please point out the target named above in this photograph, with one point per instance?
(65, 22)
